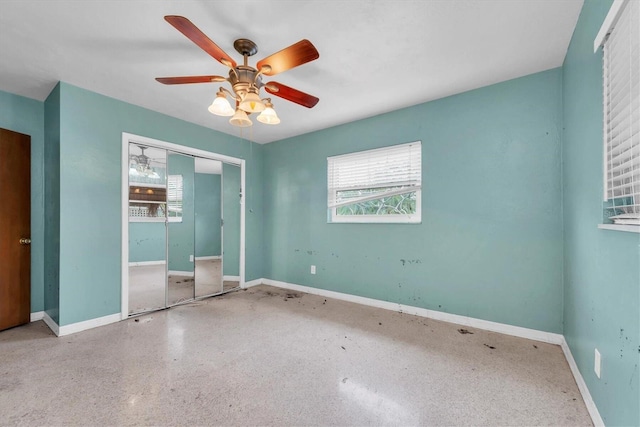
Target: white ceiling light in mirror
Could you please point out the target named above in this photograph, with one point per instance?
(141, 164)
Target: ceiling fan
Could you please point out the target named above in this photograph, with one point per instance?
(142, 164)
(246, 81)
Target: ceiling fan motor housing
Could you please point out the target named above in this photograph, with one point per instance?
(242, 80)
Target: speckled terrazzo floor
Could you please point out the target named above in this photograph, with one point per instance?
(267, 356)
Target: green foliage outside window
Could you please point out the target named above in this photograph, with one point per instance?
(399, 204)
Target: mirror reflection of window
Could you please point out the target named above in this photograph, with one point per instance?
(174, 197)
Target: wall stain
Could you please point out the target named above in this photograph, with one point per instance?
(410, 261)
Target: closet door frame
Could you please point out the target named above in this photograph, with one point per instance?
(128, 138)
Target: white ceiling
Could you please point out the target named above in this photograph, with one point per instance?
(375, 56)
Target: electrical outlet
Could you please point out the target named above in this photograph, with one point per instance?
(190, 258)
(313, 269)
(597, 363)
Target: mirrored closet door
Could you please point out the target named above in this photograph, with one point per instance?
(181, 228)
(184, 228)
(231, 197)
(208, 227)
(147, 229)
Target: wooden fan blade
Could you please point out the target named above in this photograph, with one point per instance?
(291, 94)
(290, 57)
(190, 79)
(192, 32)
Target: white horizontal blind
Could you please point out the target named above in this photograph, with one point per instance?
(622, 117)
(391, 170)
(174, 195)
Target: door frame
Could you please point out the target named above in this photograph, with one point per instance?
(128, 138)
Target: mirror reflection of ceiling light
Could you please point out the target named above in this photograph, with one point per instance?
(142, 165)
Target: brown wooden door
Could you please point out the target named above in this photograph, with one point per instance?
(15, 229)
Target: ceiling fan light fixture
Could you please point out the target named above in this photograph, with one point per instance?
(252, 103)
(268, 115)
(220, 106)
(240, 119)
(245, 80)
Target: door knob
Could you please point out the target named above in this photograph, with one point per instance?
(25, 241)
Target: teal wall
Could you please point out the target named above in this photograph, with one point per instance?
(147, 241)
(26, 116)
(52, 204)
(490, 242)
(182, 234)
(231, 216)
(208, 214)
(90, 194)
(602, 267)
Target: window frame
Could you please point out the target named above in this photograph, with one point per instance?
(608, 28)
(413, 218)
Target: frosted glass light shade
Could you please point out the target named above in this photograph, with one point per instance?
(221, 107)
(251, 103)
(269, 117)
(240, 119)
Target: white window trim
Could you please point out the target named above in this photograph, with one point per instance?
(608, 24)
(620, 227)
(414, 218)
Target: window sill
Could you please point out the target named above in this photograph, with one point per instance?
(618, 227)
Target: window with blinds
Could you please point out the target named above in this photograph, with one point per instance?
(381, 185)
(174, 198)
(621, 71)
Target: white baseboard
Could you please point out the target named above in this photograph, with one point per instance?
(145, 263)
(231, 278)
(51, 323)
(181, 273)
(37, 315)
(251, 283)
(502, 328)
(88, 324)
(79, 326)
(206, 258)
(582, 386)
